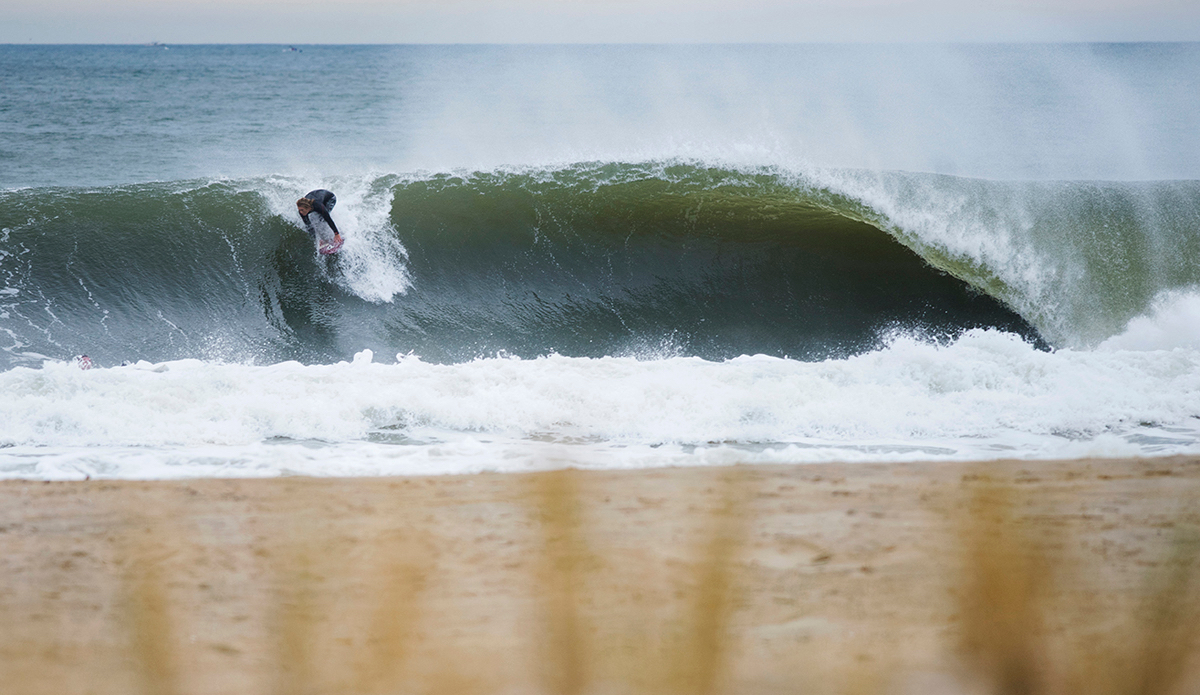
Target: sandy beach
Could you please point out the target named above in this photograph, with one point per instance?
(940, 577)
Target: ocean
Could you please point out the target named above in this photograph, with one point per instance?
(595, 256)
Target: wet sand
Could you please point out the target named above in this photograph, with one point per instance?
(924, 577)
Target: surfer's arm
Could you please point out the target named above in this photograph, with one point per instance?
(324, 213)
(308, 226)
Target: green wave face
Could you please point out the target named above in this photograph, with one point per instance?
(583, 260)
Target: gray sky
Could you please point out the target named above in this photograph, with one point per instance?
(600, 21)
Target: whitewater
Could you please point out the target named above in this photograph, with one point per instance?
(596, 257)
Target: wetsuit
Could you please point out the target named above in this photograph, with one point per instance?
(322, 202)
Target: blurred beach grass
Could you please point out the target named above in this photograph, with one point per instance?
(593, 613)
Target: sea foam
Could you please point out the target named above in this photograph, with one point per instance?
(986, 395)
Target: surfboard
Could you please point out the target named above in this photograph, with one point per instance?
(327, 248)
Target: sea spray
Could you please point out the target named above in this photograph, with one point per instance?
(988, 394)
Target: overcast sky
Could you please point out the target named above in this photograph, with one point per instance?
(598, 21)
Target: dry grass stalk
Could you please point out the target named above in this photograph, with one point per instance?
(690, 653)
(696, 664)
(1172, 622)
(1006, 599)
(560, 581)
(295, 626)
(1003, 595)
(1171, 630)
(399, 569)
(147, 612)
(1162, 636)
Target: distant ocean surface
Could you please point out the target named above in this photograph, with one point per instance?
(595, 256)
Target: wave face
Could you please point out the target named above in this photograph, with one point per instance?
(584, 261)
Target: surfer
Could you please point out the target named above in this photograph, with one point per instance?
(321, 202)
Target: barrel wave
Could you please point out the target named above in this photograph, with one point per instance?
(585, 260)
